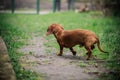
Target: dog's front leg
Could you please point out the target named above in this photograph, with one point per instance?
(61, 51)
(72, 50)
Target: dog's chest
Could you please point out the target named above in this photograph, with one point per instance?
(66, 40)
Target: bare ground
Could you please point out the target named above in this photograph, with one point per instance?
(67, 67)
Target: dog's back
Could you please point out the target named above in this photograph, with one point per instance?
(79, 36)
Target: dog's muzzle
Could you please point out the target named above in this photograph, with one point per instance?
(48, 33)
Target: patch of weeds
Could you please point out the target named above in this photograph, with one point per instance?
(27, 74)
(46, 61)
(23, 74)
(48, 52)
(92, 63)
(109, 76)
(82, 64)
(14, 38)
(47, 45)
(31, 63)
(31, 53)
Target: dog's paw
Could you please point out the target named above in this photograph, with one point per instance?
(74, 54)
(59, 54)
(87, 58)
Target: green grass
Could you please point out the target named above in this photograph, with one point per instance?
(17, 28)
(82, 64)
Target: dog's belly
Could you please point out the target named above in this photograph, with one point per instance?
(71, 42)
(69, 45)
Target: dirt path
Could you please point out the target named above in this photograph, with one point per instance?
(66, 67)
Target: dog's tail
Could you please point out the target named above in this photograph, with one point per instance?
(99, 47)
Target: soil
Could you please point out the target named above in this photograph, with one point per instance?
(42, 59)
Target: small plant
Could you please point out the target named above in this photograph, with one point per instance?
(30, 53)
(82, 64)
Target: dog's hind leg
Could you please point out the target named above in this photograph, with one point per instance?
(72, 50)
(88, 48)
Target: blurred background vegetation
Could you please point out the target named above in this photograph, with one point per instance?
(108, 7)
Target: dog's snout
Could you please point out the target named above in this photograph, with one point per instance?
(48, 33)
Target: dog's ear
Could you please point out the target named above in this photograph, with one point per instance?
(54, 30)
(51, 29)
(55, 27)
(61, 27)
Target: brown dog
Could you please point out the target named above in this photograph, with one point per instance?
(70, 38)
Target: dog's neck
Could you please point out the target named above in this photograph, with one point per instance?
(58, 33)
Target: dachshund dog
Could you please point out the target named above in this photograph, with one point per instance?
(70, 38)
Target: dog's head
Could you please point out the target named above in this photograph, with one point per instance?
(54, 28)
